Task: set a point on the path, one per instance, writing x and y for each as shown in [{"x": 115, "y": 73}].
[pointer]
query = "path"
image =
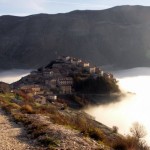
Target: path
[{"x": 12, "y": 136}]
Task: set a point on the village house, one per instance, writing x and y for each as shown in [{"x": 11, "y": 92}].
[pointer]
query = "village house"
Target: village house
[
  {"x": 31, "y": 89},
  {"x": 51, "y": 83},
  {"x": 25, "y": 87},
  {"x": 75, "y": 61},
  {"x": 99, "y": 71},
  {"x": 108, "y": 75},
  {"x": 64, "y": 58},
  {"x": 84, "y": 64},
  {"x": 40, "y": 99},
  {"x": 56, "y": 72},
  {"x": 51, "y": 73},
  {"x": 66, "y": 89},
  {"x": 39, "y": 92},
  {"x": 48, "y": 73},
  {"x": 52, "y": 97},
  {"x": 65, "y": 81},
  {"x": 90, "y": 70},
  {"x": 36, "y": 88},
  {"x": 65, "y": 85},
  {"x": 64, "y": 72},
  {"x": 67, "y": 58},
  {"x": 48, "y": 92}
]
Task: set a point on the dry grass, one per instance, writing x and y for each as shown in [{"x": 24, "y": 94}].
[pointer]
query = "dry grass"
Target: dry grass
[
  {"x": 49, "y": 142},
  {"x": 27, "y": 109},
  {"x": 80, "y": 122},
  {"x": 130, "y": 143},
  {"x": 37, "y": 130}
]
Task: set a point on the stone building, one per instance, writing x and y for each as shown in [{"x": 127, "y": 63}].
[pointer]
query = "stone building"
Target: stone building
[
  {"x": 65, "y": 85},
  {"x": 40, "y": 99}
]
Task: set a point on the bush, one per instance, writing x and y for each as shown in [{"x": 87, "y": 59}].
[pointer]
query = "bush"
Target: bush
[
  {"x": 138, "y": 131},
  {"x": 6, "y": 108},
  {"x": 134, "y": 141},
  {"x": 27, "y": 109},
  {"x": 96, "y": 134},
  {"x": 115, "y": 129},
  {"x": 19, "y": 117},
  {"x": 37, "y": 129},
  {"x": 14, "y": 106},
  {"x": 49, "y": 142},
  {"x": 120, "y": 145}
]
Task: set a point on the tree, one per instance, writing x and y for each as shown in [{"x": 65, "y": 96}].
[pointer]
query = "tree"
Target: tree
[
  {"x": 115, "y": 129},
  {"x": 138, "y": 131},
  {"x": 134, "y": 141}
]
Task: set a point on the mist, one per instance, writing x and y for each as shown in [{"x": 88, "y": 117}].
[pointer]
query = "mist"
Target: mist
[
  {"x": 123, "y": 113},
  {"x": 133, "y": 107},
  {"x": 10, "y": 76}
]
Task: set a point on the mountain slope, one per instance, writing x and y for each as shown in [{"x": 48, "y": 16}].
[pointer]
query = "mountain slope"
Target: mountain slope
[{"x": 118, "y": 36}]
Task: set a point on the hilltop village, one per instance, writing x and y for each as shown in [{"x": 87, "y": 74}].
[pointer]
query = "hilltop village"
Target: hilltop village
[
  {"x": 43, "y": 100},
  {"x": 66, "y": 76}
]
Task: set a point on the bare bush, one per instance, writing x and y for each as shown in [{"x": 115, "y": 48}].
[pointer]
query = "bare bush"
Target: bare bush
[
  {"x": 138, "y": 131},
  {"x": 115, "y": 129}
]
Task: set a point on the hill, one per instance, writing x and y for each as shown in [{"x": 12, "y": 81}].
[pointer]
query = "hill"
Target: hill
[
  {"x": 73, "y": 80},
  {"x": 118, "y": 36},
  {"x": 49, "y": 127}
]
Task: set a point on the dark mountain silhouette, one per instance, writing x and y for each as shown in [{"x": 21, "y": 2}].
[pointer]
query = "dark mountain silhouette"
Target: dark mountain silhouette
[{"x": 119, "y": 36}]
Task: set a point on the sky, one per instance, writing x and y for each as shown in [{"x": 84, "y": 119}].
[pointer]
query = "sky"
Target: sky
[{"x": 28, "y": 7}]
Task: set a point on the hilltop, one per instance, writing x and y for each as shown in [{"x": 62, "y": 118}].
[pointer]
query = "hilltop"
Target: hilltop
[
  {"x": 48, "y": 103},
  {"x": 72, "y": 79},
  {"x": 105, "y": 37}
]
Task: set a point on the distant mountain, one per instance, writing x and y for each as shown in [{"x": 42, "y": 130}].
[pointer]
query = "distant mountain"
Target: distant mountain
[{"x": 119, "y": 36}]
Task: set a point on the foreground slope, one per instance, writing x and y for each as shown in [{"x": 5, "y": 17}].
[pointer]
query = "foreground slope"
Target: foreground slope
[
  {"x": 114, "y": 36},
  {"x": 13, "y": 136}
]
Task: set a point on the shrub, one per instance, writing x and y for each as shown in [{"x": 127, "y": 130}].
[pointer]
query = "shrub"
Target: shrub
[
  {"x": 14, "y": 106},
  {"x": 6, "y": 108},
  {"x": 134, "y": 141},
  {"x": 48, "y": 141},
  {"x": 120, "y": 145},
  {"x": 138, "y": 131},
  {"x": 27, "y": 109},
  {"x": 115, "y": 129},
  {"x": 19, "y": 117},
  {"x": 37, "y": 129},
  {"x": 96, "y": 134}
]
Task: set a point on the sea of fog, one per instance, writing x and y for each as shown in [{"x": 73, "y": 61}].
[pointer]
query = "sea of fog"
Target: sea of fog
[
  {"x": 13, "y": 75},
  {"x": 131, "y": 108}
]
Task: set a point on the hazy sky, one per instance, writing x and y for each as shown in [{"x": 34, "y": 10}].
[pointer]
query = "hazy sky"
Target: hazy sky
[{"x": 27, "y": 7}]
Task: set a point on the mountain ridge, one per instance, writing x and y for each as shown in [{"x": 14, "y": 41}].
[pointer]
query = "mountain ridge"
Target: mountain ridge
[{"x": 106, "y": 37}]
